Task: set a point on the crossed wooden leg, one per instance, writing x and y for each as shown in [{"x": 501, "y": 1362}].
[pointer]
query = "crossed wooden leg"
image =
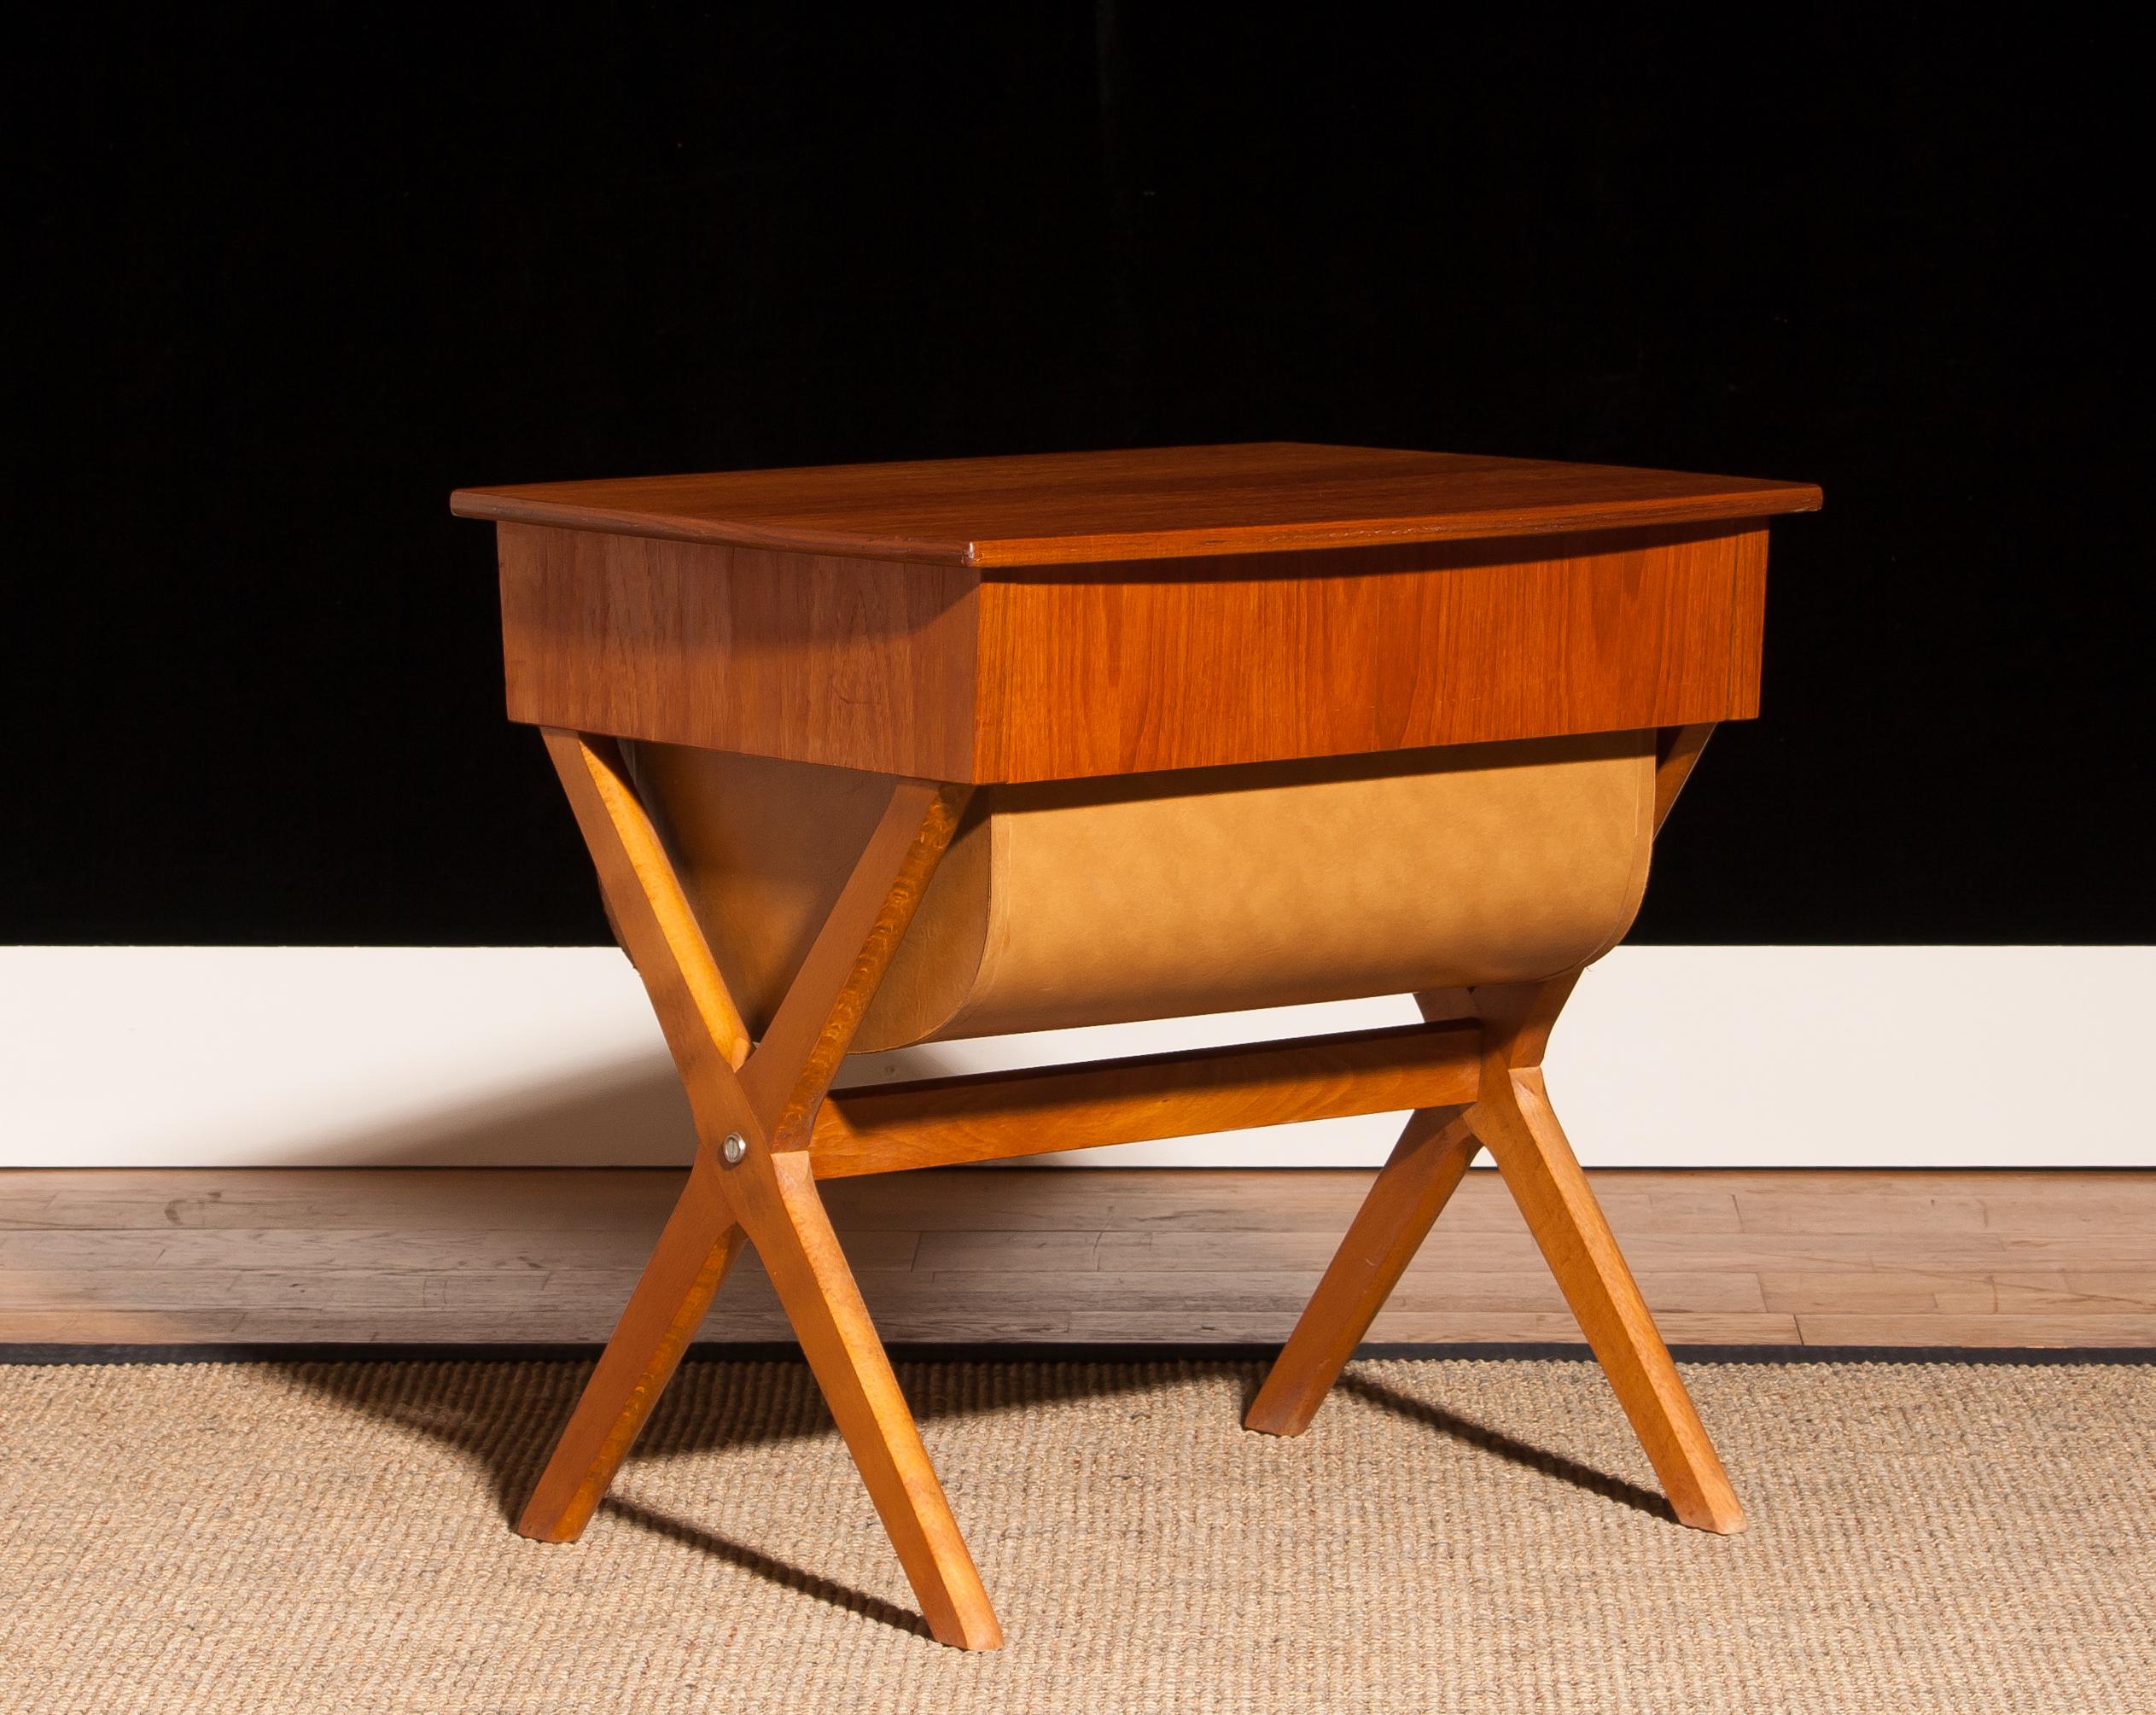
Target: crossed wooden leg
[
  {"x": 752, "y": 1175},
  {"x": 1425, "y": 1168},
  {"x": 1512, "y": 1118}
]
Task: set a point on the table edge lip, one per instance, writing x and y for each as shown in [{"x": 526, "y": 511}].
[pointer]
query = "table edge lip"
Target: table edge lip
[{"x": 1762, "y": 500}]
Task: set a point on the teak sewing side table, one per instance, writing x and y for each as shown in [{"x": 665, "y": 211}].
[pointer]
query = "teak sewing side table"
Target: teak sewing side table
[{"x": 880, "y": 754}]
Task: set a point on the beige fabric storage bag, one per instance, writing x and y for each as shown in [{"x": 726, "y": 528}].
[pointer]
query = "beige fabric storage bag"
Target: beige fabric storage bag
[{"x": 1204, "y": 890}]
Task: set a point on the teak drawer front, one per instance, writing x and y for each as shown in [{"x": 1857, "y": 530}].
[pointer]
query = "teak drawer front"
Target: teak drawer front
[
  {"x": 944, "y": 673},
  {"x": 1311, "y": 655}
]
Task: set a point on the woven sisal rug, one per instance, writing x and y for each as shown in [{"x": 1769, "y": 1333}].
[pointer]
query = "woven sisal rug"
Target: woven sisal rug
[{"x": 1451, "y": 1535}]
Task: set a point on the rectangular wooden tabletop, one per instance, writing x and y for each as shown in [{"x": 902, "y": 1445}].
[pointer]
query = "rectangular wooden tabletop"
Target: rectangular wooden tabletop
[
  {"x": 1077, "y": 614},
  {"x": 1166, "y": 503}
]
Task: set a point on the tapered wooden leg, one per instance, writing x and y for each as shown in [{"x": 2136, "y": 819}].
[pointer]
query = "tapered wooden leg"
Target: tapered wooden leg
[
  {"x": 778, "y": 1202},
  {"x": 1425, "y": 1168},
  {"x": 694, "y": 1252},
  {"x": 755, "y": 1113},
  {"x": 1515, "y": 1120}
]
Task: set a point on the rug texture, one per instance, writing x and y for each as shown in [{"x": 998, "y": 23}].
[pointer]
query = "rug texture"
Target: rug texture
[{"x": 1450, "y": 1535}]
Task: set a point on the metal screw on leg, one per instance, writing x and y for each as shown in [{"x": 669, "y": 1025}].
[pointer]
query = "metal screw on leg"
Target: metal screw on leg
[{"x": 731, "y": 1150}]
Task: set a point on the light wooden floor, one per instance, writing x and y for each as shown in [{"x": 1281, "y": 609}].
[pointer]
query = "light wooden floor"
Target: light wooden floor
[{"x": 1824, "y": 1258}]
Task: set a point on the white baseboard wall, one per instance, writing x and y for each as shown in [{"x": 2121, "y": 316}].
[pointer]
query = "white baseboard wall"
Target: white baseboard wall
[{"x": 1667, "y": 1057}]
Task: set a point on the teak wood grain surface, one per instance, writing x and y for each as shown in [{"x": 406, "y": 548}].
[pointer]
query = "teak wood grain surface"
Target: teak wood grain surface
[
  {"x": 1348, "y": 652},
  {"x": 1161, "y": 503},
  {"x": 947, "y": 673}
]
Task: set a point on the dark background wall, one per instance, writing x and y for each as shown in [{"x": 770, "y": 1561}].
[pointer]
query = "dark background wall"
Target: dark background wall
[{"x": 294, "y": 277}]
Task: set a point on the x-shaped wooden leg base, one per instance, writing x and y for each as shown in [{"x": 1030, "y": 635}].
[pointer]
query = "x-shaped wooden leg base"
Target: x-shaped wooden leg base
[
  {"x": 1513, "y": 1117},
  {"x": 752, "y": 1175},
  {"x": 758, "y": 1151}
]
